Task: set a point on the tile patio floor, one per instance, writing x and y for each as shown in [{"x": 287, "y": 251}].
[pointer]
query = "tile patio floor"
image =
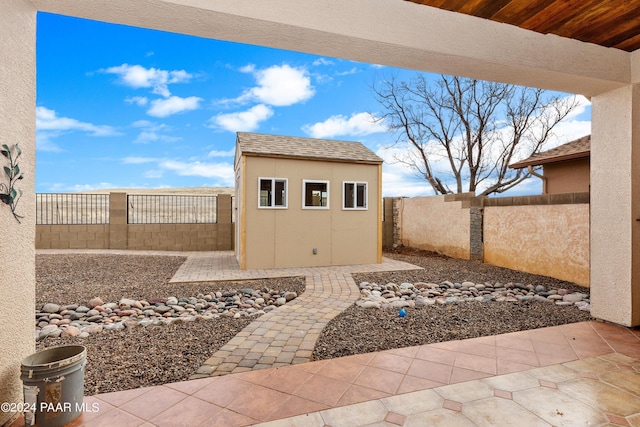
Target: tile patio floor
[{"x": 572, "y": 375}]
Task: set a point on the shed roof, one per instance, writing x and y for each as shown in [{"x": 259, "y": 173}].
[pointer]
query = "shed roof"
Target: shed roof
[
  {"x": 304, "y": 148},
  {"x": 576, "y": 149}
]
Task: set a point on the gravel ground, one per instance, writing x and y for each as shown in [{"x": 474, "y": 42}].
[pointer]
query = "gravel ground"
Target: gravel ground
[
  {"x": 140, "y": 357},
  {"x": 375, "y": 329},
  {"x": 143, "y": 356}
]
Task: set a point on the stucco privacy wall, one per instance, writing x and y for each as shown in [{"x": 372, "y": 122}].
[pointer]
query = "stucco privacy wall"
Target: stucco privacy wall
[
  {"x": 17, "y": 253},
  {"x": 433, "y": 224},
  {"x": 550, "y": 240}
]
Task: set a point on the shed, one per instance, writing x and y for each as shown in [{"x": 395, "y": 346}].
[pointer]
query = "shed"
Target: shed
[
  {"x": 306, "y": 202},
  {"x": 565, "y": 168}
]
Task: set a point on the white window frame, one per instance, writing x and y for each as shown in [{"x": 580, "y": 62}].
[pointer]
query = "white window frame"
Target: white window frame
[
  {"x": 273, "y": 186},
  {"x": 304, "y": 193},
  {"x": 355, "y": 196}
]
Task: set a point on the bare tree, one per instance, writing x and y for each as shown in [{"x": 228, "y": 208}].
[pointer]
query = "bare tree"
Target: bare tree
[{"x": 465, "y": 131}]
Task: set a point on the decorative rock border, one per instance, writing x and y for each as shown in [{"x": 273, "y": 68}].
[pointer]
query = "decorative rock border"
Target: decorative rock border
[
  {"x": 393, "y": 296},
  {"x": 53, "y": 320}
]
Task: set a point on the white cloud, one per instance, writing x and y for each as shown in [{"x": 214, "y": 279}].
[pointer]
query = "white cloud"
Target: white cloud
[
  {"x": 322, "y": 61},
  {"x": 153, "y": 174},
  {"x": 398, "y": 179},
  {"x": 137, "y": 76},
  {"x": 278, "y": 85},
  {"x": 48, "y": 120},
  {"x": 223, "y": 172},
  {"x": 573, "y": 126},
  {"x": 215, "y": 153},
  {"x": 173, "y": 105},
  {"x": 153, "y": 132},
  {"x": 249, "y": 68},
  {"x": 243, "y": 121},
  {"x": 353, "y": 70},
  {"x": 138, "y": 160},
  {"x": 359, "y": 124},
  {"x": 143, "y": 124},
  {"x": 138, "y": 100},
  {"x": 50, "y": 126},
  {"x": 146, "y": 137}
]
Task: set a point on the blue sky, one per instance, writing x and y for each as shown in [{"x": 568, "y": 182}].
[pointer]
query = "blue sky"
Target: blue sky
[{"x": 125, "y": 107}]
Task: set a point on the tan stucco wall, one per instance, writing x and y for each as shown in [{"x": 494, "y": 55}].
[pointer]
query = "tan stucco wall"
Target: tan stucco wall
[
  {"x": 567, "y": 177},
  {"x": 615, "y": 206},
  {"x": 287, "y": 237},
  {"x": 431, "y": 223},
  {"x": 548, "y": 240},
  {"x": 17, "y": 252}
]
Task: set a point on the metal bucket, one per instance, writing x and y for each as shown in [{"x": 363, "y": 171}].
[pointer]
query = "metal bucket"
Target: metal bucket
[{"x": 53, "y": 382}]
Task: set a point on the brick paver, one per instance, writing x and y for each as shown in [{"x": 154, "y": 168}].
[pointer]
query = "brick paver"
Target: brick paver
[{"x": 286, "y": 335}]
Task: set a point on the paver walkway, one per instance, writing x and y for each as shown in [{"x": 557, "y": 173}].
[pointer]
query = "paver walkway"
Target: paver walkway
[{"x": 288, "y": 334}]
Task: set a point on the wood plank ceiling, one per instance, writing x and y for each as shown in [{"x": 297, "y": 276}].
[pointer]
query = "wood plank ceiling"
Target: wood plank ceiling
[{"x": 609, "y": 23}]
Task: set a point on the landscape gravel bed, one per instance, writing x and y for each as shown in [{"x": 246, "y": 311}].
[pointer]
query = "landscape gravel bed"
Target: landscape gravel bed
[
  {"x": 140, "y": 356},
  {"x": 374, "y": 329}
]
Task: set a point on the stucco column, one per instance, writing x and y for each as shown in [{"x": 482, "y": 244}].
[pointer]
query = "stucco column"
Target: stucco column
[
  {"x": 615, "y": 206},
  {"x": 17, "y": 243}
]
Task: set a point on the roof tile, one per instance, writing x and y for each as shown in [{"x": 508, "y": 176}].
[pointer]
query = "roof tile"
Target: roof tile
[
  {"x": 306, "y": 148},
  {"x": 576, "y": 149}
]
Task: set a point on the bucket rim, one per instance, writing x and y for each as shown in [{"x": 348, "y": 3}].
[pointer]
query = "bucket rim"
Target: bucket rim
[{"x": 75, "y": 357}]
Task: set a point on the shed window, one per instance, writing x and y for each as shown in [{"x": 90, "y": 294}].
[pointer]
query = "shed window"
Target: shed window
[
  {"x": 354, "y": 195},
  {"x": 272, "y": 192},
  {"x": 315, "y": 194}
]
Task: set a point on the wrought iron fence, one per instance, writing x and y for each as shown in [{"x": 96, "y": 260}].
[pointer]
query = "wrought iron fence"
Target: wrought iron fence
[
  {"x": 171, "y": 209},
  {"x": 71, "y": 209}
]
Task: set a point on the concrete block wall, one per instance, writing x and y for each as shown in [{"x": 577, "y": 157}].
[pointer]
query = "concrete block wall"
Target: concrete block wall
[
  {"x": 158, "y": 237},
  {"x": 72, "y": 236}
]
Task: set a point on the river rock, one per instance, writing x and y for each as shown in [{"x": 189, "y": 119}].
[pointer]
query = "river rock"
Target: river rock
[
  {"x": 50, "y": 308},
  {"x": 94, "y": 302}
]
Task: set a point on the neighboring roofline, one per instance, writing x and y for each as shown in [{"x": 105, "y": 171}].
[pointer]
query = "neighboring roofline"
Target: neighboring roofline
[
  {"x": 536, "y": 162},
  {"x": 573, "y": 150}
]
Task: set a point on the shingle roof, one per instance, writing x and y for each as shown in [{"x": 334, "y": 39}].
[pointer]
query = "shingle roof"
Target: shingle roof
[
  {"x": 304, "y": 148},
  {"x": 577, "y": 149}
]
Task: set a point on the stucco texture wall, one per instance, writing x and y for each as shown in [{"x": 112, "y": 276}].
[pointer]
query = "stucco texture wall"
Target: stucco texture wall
[
  {"x": 17, "y": 248},
  {"x": 287, "y": 237},
  {"x": 550, "y": 240},
  {"x": 432, "y": 224},
  {"x": 567, "y": 177}
]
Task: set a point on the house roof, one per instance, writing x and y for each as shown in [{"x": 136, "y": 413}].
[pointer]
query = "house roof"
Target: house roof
[
  {"x": 578, "y": 149},
  {"x": 304, "y": 148}
]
